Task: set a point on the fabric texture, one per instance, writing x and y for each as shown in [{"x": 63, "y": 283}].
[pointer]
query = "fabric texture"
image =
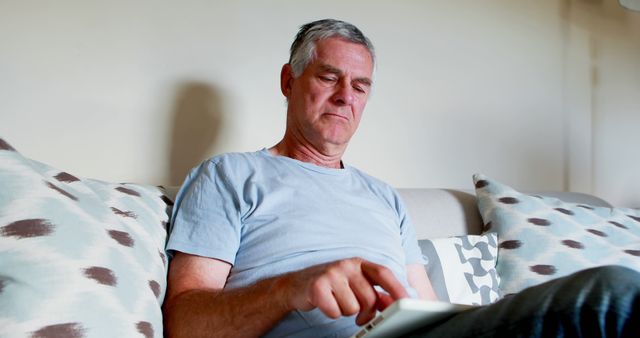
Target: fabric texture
[
  {"x": 462, "y": 269},
  {"x": 78, "y": 257},
  {"x": 267, "y": 215},
  {"x": 597, "y": 302},
  {"x": 541, "y": 238}
]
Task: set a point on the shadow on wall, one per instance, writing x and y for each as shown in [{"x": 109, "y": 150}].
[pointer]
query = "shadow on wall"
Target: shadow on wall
[{"x": 198, "y": 120}]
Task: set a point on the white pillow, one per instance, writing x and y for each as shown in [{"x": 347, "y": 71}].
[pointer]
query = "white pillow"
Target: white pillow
[{"x": 462, "y": 269}]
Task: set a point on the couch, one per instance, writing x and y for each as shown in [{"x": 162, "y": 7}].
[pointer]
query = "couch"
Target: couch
[
  {"x": 438, "y": 213},
  {"x": 85, "y": 258}
]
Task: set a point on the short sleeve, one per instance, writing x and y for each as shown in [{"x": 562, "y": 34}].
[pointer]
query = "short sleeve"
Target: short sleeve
[
  {"x": 410, "y": 246},
  {"x": 206, "y": 219}
]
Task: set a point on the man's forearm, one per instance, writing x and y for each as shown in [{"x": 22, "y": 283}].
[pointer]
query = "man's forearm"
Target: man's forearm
[
  {"x": 340, "y": 288},
  {"x": 246, "y": 312}
]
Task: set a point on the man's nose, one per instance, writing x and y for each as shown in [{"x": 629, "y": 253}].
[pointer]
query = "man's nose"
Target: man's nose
[{"x": 344, "y": 94}]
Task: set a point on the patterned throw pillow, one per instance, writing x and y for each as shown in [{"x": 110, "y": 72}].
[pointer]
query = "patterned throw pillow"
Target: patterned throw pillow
[
  {"x": 78, "y": 257},
  {"x": 542, "y": 238},
  {"x": 462, "y": 269}
]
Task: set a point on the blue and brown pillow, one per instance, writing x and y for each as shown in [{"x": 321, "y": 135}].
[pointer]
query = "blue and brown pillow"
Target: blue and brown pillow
[
  {"x": 79, "y": 257},
  {"x": 542, "y": 238}
]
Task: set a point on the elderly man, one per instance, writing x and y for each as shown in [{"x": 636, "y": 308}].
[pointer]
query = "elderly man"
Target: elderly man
[{"x": 289, "y": 240}]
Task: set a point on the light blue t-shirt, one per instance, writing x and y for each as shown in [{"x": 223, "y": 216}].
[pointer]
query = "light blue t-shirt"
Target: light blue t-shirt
[{"x": 268, "y": 215}]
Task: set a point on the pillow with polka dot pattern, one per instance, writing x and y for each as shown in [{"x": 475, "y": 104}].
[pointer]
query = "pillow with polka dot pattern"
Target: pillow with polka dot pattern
[
  {"x": 542, "y": 238},
  {"x": 79, "y": 257}
]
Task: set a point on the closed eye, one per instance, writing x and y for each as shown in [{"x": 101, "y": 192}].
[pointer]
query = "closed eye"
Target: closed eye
[
  {"x": 359, "y": 89},
  {"x": 328, "y": 78}
]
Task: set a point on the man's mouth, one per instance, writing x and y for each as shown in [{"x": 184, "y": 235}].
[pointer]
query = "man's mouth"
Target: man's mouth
[{"x": 338, "y": 116}]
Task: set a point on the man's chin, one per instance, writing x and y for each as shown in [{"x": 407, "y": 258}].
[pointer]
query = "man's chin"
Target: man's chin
[{"x": 337, "y": 141}]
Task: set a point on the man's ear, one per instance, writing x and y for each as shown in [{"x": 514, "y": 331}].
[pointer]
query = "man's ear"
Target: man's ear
[{"x": 286, "y": 79}]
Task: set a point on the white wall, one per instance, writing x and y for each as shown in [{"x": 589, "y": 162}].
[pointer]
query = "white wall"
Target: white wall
[{"x": 543, "y": 95}]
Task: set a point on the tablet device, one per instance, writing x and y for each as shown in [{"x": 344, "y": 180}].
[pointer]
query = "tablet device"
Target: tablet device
[{"x": 407, "y": 314}]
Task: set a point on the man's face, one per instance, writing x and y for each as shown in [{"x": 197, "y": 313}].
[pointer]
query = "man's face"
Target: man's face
[{"x": 326, "y": 101}]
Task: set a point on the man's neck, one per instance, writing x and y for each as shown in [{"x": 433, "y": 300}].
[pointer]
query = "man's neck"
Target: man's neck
[{"x": 307, "y": 153}]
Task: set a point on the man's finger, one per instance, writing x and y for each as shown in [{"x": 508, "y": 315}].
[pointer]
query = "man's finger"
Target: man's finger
[
  {"x": 364, "y": 291},
  {"x": 384, "y": 300},
  {"x": 367, "y": 298},
  {"x": 365, "y": 315},
  {"x": 380, "y": 275},
  {"x": 322, "y": 296},
  {"x": 345, "y": 298}
]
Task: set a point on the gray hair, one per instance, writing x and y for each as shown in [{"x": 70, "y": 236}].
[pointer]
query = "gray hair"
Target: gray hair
[{"x": 304, "y": 46}]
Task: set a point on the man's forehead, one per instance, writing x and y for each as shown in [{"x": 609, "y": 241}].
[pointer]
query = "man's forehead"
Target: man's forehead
[
  {"x": 337, "y": 55},
  {"x": 337, "y": 43}
]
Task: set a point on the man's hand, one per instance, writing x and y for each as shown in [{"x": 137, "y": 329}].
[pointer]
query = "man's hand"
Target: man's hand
[{"x": 343, "y": 288}]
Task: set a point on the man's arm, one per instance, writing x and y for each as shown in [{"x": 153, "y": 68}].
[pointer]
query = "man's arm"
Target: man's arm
[
  {"x": 418, "y": 279},
  {"x": 197, "y": 304}
]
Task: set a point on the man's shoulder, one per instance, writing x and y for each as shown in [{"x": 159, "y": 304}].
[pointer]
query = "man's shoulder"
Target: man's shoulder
[
  {"x": 229, "y": 164},
  {"x": 234, "y": 159}
]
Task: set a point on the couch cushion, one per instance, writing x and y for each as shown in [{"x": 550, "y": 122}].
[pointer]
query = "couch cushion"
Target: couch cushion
[
  {"x": 439, "y": 213},
  {"x": 462, "y": 269},
  {"x": 542, "y": 238},
  {"x": 78, "y": 257}
]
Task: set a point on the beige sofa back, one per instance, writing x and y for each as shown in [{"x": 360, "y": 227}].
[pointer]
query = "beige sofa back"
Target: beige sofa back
[{"x": 448, "y": 212}]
